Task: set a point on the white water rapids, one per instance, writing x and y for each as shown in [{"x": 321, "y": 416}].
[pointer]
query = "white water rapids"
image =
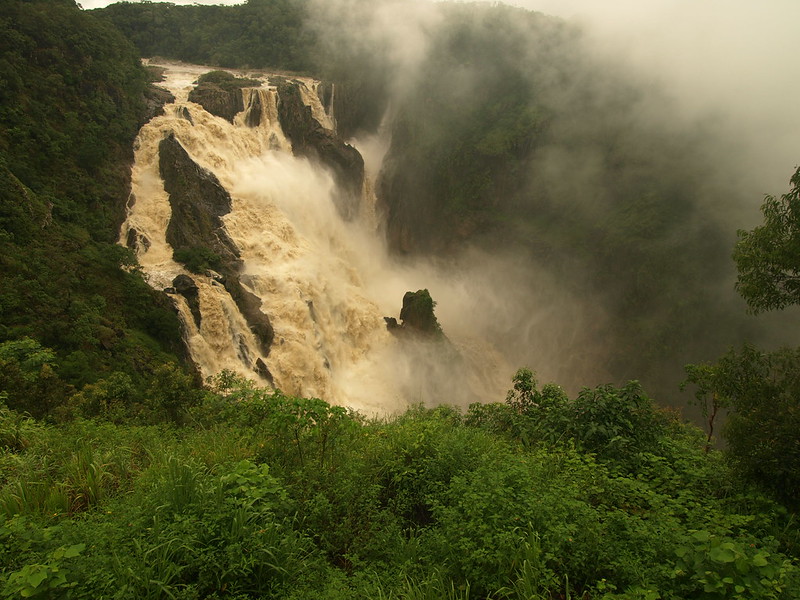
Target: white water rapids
[{"x": 326, "y": 284}]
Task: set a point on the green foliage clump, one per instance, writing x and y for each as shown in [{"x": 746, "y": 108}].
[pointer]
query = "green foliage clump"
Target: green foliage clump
[
  {"x": 225, "y": 80},
  {"x": 619, "y": 426},
  {"x": 255, "y": 34},
  {"x": 71, "y": 101},
  {"x": 761, "y": 391},
  {"x": 198, "y": 259},
  {"x": 264, "y": 495},
  {"x": 727, "y": 568},
  {"x": 28, "y": 377},
  {"x": 768, "y": 257}
]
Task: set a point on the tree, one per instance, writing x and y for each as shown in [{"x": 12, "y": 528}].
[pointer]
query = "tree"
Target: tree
[
  {"x": 768, "y": 257},
  {"x": 28, "y": 378},
  {"x": 762, "y": 392}
]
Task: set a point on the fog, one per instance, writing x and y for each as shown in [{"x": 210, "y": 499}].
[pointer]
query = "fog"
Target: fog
[
  {"x": 657, "y": 78},
  {"x": 737, "y": 59},
  {"x": 733, "y": 59}
]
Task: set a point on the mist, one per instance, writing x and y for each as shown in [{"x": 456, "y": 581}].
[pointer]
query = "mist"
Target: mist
[
  {"x": 733, "y": 59},
  {"x": 641, "y": 85}
]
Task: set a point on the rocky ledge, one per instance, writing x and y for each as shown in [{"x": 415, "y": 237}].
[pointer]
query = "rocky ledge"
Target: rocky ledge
[
  {"x": 220, "y": 93},
  {"x": 198, "y": 202},
  {"x": 310, "y": 139}
]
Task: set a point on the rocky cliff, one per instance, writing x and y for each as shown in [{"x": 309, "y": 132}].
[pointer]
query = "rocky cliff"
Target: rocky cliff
[
  {"x": 198, "y": 202},
  {"x": 417, "y": 313},
  {"x": 220, "y": 93},
  {"x": 310, "y": 139}
]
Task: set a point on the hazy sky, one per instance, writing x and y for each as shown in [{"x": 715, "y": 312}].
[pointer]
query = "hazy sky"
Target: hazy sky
[{"x": 736, "y": 58}]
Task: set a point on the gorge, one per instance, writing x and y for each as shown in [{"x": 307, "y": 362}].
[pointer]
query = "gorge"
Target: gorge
[{"x": 300, "y": 281}]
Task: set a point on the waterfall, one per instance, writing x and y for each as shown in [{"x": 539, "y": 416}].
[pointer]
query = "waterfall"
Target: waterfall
[
  {"x": 309, "y": 90},
  {"x": 330, "y": 106},
  {"x": 325, "y": 284}
]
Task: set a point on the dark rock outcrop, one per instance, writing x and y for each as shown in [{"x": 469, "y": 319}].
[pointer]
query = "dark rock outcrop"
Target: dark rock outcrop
[
  {"x": 198, "y": 202},
  {"x": 225, "y": 104},
  {"x": 437, "y": 367},
  {"x": 254, "y": 110},
  {"x": 250, "y": 306},
  {"x": 310, "y": 139},
  {"x": 137, "y": 240},
  {"x": 186, "y": 115},
  {"x": 154, "y": 100},
  {"x": 220, "y": 93},
  {"x": 218, "y": 101},
  {"x": 186, "y": 287},
  {"x": 262, "y": 369},
  {"x": 416, "y": 316},
  {"x": 417, "y": 313}
]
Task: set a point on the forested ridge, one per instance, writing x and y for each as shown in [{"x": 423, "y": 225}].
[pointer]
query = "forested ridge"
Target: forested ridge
[
  {"x": 74, "y": 308},
  {"x": 121, "y": 478}
]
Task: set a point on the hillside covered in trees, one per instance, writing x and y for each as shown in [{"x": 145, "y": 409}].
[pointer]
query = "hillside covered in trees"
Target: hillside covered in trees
[
  {"x": 74, "y": 308},
  {"x": 122, "y": 477}
]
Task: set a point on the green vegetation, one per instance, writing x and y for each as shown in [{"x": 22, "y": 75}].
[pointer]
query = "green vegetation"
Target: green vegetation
[
  {"x": 226, "y": 81},
  {"x": 256, "y": 34},
  {"x": 768, "y": 257},
  {"x": 73, "y": 308},
  {"x": 262, "y": 495},
  {"x": 761, "y": 390},
  {"x": 198, "y": 259},
  {"x": 120, "y": 478}
]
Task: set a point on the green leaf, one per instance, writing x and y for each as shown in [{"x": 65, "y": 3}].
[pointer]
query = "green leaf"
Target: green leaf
[
  {"x": 760, "y": 559},
  {"x": 36, "y": 575},
  {"x": 742, "y": 565},
  {"x": 701, "y": 536},
  {"x": 74, "y": 550},
  {"x": 722, "y": 555}
]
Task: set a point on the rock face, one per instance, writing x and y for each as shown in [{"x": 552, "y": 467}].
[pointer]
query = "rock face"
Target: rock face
[
  {"x": 186, "y": 287},
  {"x": 198, "y": 202},
  {"x": 253, "y": 117},
  {"x": 250, "y": 306},
  {"x": 154, "y": 100},
  {"x": 137, "y": 240},
  {"x": 417, "y": 313},
  {"x": 225, "y": 103},
  {"x": 185, "y": 114},
  {"x": 416, "y": 316},
  {"x": 312, "y": 140},
  {"x": 440, "y": 371}
]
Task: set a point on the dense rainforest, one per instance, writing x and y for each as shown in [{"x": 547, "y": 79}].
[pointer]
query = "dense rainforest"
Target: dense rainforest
[
  {"x": 74, "y": 308},
  {"x": 120, "y": 477}
]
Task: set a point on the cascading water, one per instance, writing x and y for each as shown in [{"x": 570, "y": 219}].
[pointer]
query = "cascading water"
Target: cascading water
[{"x": 325, "y": 284}]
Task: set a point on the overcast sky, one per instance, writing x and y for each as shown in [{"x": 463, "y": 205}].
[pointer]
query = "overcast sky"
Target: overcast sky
[{"x": 736, "y": 58}]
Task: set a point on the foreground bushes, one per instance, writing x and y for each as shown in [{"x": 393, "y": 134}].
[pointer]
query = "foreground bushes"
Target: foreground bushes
[{"x": 269, "y": 496}]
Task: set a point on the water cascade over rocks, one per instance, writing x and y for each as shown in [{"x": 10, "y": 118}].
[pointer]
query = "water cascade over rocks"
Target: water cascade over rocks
[{"x": 261, "y": 228}]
